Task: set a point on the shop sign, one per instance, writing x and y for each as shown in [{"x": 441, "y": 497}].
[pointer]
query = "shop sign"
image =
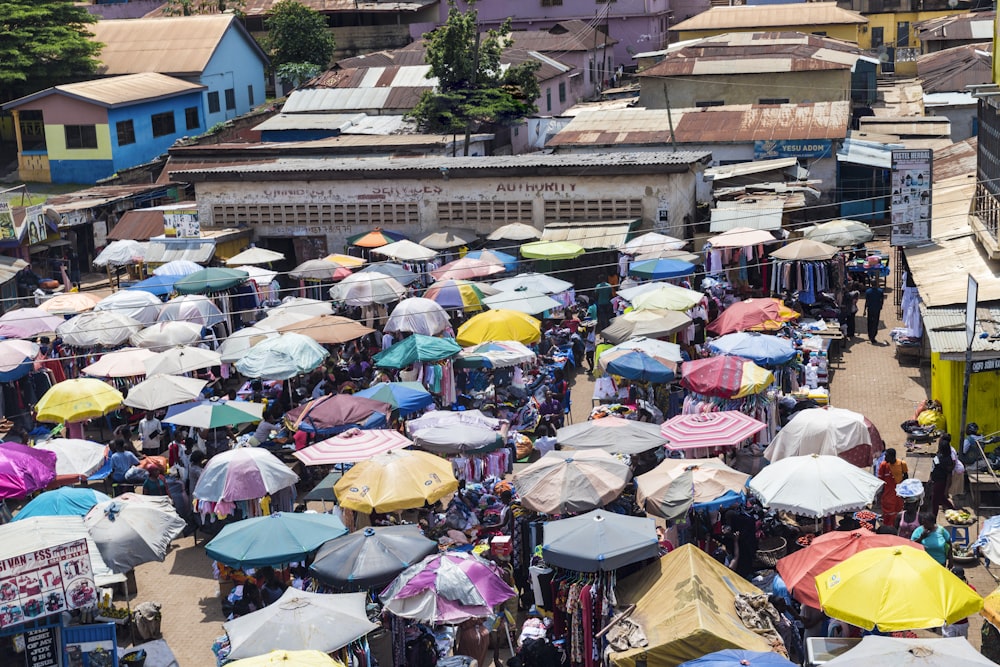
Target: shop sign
[
  {"x": 41, "y": 647},
  {"x": 7, "y": 232},
  {"x": 38, "y": 228},
  {"x": 804, "y": 148},
  {"x": 911, "y": 197},
  {"x": 985, "y": 365},
  {"x": 182, "y": 224},
  {"x": 46, "y": 581}
]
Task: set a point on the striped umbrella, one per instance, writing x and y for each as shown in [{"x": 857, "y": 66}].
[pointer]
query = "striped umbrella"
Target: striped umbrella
[
  {"x": 352, "y": 446},
  {"x": 459, "y": 294},
  {"x": 376, "y": 238},
  {"x": 710, "y": 429}
]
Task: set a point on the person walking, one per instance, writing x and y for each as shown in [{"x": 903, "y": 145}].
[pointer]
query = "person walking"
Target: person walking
[
  {"x": 849, "y": 310},
  {"x": 891, "y": 471},
  {"x": 941, "y": 470},
  {"x": 874, "y": 298}
]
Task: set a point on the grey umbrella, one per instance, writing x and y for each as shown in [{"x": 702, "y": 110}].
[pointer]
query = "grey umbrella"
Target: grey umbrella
[
  {"x": 612, "y": 434},
  {"x": 599, "y": 541},
  {"x": 393, "y": 271},
  {"x": 370, "y": 558}
]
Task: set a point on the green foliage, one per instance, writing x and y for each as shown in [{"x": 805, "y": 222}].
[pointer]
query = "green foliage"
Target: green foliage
[
  {"x": 472, "y": 87},
  {"x": 43, "y": 43},
  {"x": 296, "y": 73},
  {"x": 191, "y": 7},
  {"x": 297, "y": 34}
]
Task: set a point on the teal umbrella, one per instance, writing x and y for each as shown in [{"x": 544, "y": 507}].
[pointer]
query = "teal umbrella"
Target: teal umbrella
[
  {"x": 281, "y": 358},
  {"x": 407, "y": 397},
  {"x": 417, "y": 348},
  {"x": 214, "y": 279},
  {"x": 280, "y": 538}
]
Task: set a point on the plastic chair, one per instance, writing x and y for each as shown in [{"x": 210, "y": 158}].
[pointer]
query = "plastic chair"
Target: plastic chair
[{"x": 959, "y": 535}]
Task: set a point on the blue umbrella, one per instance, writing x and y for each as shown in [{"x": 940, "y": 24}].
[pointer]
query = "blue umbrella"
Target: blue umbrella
[
  {"x": 509, "y": 261},
  {"x": 403, "y": 276},
  {"x": 407, "y": 397},
  {"x": 761, "y": 349},
  {"x": 67, "y": 501},
  {"x": 637, "y": 365},
  {"x": 659, "y": 269},
  {"x": 156, "y": 285},
  {"x": 733, "y": 657},
  {"x": 277, "y": 539}
]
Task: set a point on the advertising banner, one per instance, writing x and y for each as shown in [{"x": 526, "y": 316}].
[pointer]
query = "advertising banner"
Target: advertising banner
[
  {"x": 911, "y": 197},
  {"x": 46, "y": 581}
]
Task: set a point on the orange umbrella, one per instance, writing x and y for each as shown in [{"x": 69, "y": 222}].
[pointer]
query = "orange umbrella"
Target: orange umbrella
[
  {"x": 376, "y": 238},
  {"x": 752, "y": 315}
]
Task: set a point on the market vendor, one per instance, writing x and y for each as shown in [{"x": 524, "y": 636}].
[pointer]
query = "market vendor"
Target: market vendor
[{"x": 551, "y": 413}]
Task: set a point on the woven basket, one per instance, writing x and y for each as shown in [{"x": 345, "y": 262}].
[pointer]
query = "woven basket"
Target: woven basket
[{"x": 770, "y": 550}]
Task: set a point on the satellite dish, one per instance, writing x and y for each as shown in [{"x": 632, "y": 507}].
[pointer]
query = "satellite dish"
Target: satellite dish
[
  {"x": 883, "y": 57},
  {"x": 953, "y": 3}
]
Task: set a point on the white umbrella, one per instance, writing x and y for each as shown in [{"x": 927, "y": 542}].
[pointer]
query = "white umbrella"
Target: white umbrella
[
  {"x": 303, "y": 306},
  {"x": 829, "y": 430},
  {"x": 652, "y": 347},
  {"x": 182, "y": 359},
  {"x": 417, "y": 315},
  {"x": 365, "y": 289},
  {"x": 131, "y": 529},
  {"x": 163, "y": 335},
  {"x": 319, "y": 269},
  {"x": 129, "y": 362},
  {"x": 652, "y": 242},
  {"x": 195, "y": 308},
  {"x": 75, "y": 457},
  {"x": 159, "y": 391},
  {"x": 923, "y": 652},
  {"x": 137, "y": 304},
  {"x": 254, "y": 255},
  {"x": 299, "y": 620},
  {"x": 572, "y": 481},
  {"x": 524, "y": 300},
  {"x": 448, "y": 238},
  {"x": 814, "y": 485},
  {"x": 277, "y": 320},
  {"x": 534, "y": 281},
  {"x": 239, "y": 342},
  {"x": 406, "y": 251},
  {"x": 515, "y": 231},
  {"x": 178, "y": 267},
  {"x": 263, "y": 277},
  {"x": 121, "y": 253},
  {"x": 95, "y": 329}
]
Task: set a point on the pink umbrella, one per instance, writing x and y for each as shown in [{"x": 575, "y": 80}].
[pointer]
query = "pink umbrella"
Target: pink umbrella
[
  {"x": 467, "y": 269},
  {"x": 709, "y": 429},
  {"x": 246, "y": 473},
  {"x": 352, "y": 446},
  {"x": 24, "y": 469},
  {"x": 25, "y": 322}
]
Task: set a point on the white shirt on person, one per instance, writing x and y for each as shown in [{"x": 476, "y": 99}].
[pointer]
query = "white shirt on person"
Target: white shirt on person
[{"x": 148, "y": 426}]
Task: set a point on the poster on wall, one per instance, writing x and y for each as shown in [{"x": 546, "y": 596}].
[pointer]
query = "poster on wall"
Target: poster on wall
[
  {"x": 182, "y": 224},
  {"x": 46, "y": 581},
  {"x": 7, "y": 231},
  {"x": 34, "y": 220},
  {"x": 41, "y": 647},
  {"x": 911, "y": 197}
]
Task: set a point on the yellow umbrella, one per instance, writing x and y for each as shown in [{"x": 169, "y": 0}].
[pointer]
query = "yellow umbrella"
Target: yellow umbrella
[
  {"x": 499, "y": 325},
  {"x": 397, "y": 480},
  {"x": 991, "y": 607},
  {"x": 347, "y": 261},
  {"x": 895, "y": 588},
  {"x": 289, "y": 659},
  {"x": 77, "y": 400},
  {"x": 551, "y": 250}
]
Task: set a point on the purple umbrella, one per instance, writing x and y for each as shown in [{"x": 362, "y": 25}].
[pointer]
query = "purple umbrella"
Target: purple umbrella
[
  {"x": 24, "y": 469},
  {"x": 447, "y": 588},
  {"x": 245, "y": 473}
]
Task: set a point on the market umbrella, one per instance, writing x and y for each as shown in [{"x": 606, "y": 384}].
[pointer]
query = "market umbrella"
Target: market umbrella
[
  {"x": 662, "y": 296},
  {"x": 328, "y": 329},
  {"x": 637, "y": 365},
  {"x": 800, "y": 569},
  {"x": 64, "y": 501},
  {"x": 814, "y": 485},
  {"x": 352, "y": 446},
  {"x": 159, "y": 391},
  {"x": 371, "y": 557},
  {"x": 416, "y": 348},
  {"x": 254, "y": 255},
  {"x": 140, "y": 306},
  {"x": 524, "y": 300},
  {"x": 281, "y": 658},
  {"x": 805, "y": 250},
  {"x": 17, "y": 359},
  {"x": 397, "y": 480},
  {"x": 759, "y": 348},
  {"x": 833, "y": 431},
  {"x": 28, "y": 322},
  {"x": 132, "y": 529},
  {"x": 495, "y": 354},
  {"x": 24, "y": 469},
  {"x": 212, "y": 279},
  {"x": 164, "y": 335},
  {"x": 238, "y": 343},
  {"x": 562, "y": 482},
  {"x": 499, "y": 325},
  {"x": 366, "y": 289},
  {"x": 922, "y": 652},
  {"x": 842, "y": 233},
  {"x": 645, "y": 323},
  {"x": 181, "y": 359},
  {"x": 348, "y": 261},
  {"x": 752, "y": 314},
  {"x": 683, "y": 255},
  {"x": 676, "y": 485},
  {"x": 651, "y": 242},
  {"x": 405, "y": 251},
  {"x": 74, "y": 457},
  {"x": 535, "y": 281},
  {"x": 447, "y": 432},
  {"x": 551, "y": 250},
  {"x": 599, "y": 541},
  {"x": 710, "y": 429},
  {"x": 70, "y": 303},
  {"x": 281, "y": 358},
  {"x": 279, "y": 320},
  {"x": 514, "y": 231},
  {"x": 245, "y": 473},
  {"x": 725, "y": 377},
  {"x": 417, "y": 315},
  {"x": 98, "y": 329},
  {"x": 155, "y": 285},
  {"x": 660, "y": 269},
  {"x": 276, "y": 539},
  {"x": 659, "y": 349},
  {"x": 193, "y": 309},
  {"x": 407, "y": 397},
  {"x": 509, "y": 262},
  {"x": 121, "y": 253},
  {"x": 213, "y": 414},
  {"x": 177, "y": 267},
  {"x": 319, "y": 269},
  {"x": 300, "y": 305},
  {"x": 77, "y": 400},
  {"x": 300, "y": 620},
  {"x": 467, "y": 268},
  {"x": 612, "y": 434},
  {"x": 376, "y": 238},
  {"x": 394, "y": 271},
  {"x": 459, "y": 294},
  {"x": 447, "y": 588},
  {"x": 263, "y": 277},
  {"x": 446, "y": 237},
  {"x": 741, "y": 237},
  {"x": 330, "y": 412},
  {"x": 895, "y": 588},
  {"x": 735, "y": 657}
]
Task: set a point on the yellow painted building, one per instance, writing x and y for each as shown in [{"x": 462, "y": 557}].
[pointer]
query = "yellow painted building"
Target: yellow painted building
[
  {"x": 895, "y": 34},
  {"x": 947, "y": 379},
  {"x": 820, "y": 18}
]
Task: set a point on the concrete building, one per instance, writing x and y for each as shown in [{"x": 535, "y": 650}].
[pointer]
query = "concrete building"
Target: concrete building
[
  {"x": 948, "y": 32},
  {"x": 820, "y": 18}
]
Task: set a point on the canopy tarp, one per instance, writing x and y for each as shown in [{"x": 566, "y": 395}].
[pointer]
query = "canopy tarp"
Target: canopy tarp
[{"x": 685, "y": 604}]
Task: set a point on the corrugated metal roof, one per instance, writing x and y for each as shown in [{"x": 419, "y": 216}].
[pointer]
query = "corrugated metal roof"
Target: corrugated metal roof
[
  {"x": 307, "y": 100},
  {"x": 769, "y": 16},
  {"x": 912, "y": 127},
  {"x": 959, "y": 159},
  {"x": 138, "y": 225},
  {"x": 600, "y": 235},
  {"x": 953, "y": 69},
  {"x": 569, "y": 35},
  {"x": 868, "y": 153},
  {"x": 950, "y": 100},
  {"x": 765, "y": 215},
  {"x": 199, "y": 251},
  {"x": 723, "y": 172},
  {"x": 946, "y": 332},
  {"x": 117, "y": 91},
  {"x": 263, "y": 7},
  {"x": 973, "y": 25},
  {"x": 309, "y": 121}
]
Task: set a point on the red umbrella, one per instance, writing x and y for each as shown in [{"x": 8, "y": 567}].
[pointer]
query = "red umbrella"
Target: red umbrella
[
  {"x": 467, "y": 268},
  {"x": 800, "y": 569},
  {"x": 709, "y": 429},
  {"x": 752, "y": 314},
  {"x": 715, "y": 376},
  {"x": 329, "y": 412}
]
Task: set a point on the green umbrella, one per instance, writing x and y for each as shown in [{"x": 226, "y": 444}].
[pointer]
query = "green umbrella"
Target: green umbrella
[
  {"x": 417, "y": 348},
  {"x": 551, "y": 250},
  {"x": 213, "y": 279}
]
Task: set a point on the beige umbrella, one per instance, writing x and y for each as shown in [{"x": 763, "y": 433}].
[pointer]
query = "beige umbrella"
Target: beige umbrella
[
  {"x": 328, "y": 329},
  {"x": 239, "y": 342},
  {"x": 448, "y": 238},
  {"x": 70, "y": 304},
  {"x": 682, "y": 255},
  {"x": 741, "y": 237},
  {"x": 671, "y": 488},
  {"x": 572, "y": 481},
  {"x": 406, "y": 251},
  {"x": 254, "y": 255},
  {"x": 300, "y": 305},
  {"x": 181, "y": 359},
  {"x": 649, "y": 323},
  {"x": 805, "y": 250},
  {"x": 653, "y": 242},
  {"x": 515, "y": 231}
]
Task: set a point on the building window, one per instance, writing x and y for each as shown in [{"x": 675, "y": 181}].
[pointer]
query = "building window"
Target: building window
[
  {"x": 125, "y": 130},
  {"x": 878, "y": 37},
  {"x": 230, "y": 99},
  {"x": 191, "y": 119},
  {"x": 551, "y": 3},
  {"x": 32, "y": 130},
  {"x": 163, "y": 123},
  {"x": 81, "y": 136},
  {"x": 250, "y": 95},
  {"x": 548, "y": 99},
  {"x": 562, "y": 92},
  {"x": 213, "y": 102},
  {"x": 773, "y": 100},
  {"x": 903, "y": 34},
  {"x": 710, "y": 103}
]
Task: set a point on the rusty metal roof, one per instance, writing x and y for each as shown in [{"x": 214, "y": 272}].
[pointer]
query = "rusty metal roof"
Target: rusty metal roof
[
  {"x": 958, "y": 159},
  {"x": 951, "y": 70},
  {"x": 263, "y": 7},
  {"x": 970, "y": 26},
  {"x": 724, "y": 124},
  {"x": 138, "y": 225},
  {"x": 104, "y": 194},
  {"x": 770, "y": 16},
  {"x": 913, "y": 127},
  {"x": 117, "y": 91}
]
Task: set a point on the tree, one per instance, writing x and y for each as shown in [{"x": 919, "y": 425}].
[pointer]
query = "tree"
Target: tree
[
  {"x": 297, "y": 34},
  {"x": 296, "y": 73},
  {"x": 472, "y": 87},
  {"x": 43, "y": 43},
  {"x": 191, "y": 7}
]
